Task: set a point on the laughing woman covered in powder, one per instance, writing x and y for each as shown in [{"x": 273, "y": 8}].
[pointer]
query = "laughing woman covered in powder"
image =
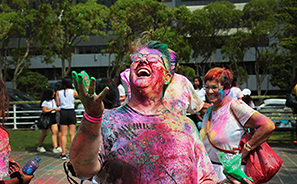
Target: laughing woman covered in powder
[{"x": 224, "y": 130}]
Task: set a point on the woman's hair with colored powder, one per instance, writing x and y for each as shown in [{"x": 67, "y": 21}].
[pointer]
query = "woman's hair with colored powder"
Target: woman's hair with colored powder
[
  {"x": 4, "y": 104},
  {"x": 161, "y": 47},
  {"x": 111, "y": 99},
  {"x": 47, "y": 95},
  {"x": 173, "y": 61},
  {"x": 137, "y": 43},
  {"x": 222, "y": 75},
  {"x": 200, "y": 82}
]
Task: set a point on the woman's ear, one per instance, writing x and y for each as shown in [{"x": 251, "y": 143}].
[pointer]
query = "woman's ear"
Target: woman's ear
[{"x": 168, "y": 77}]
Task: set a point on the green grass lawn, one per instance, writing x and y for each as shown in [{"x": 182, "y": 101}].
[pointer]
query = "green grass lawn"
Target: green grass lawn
[
  {"x": 27, "y": 140},
  {"x": 281, "y": 137}
]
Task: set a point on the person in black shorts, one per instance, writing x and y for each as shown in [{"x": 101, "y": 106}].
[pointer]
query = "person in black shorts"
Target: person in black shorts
[{"x": 65, "y": 100}]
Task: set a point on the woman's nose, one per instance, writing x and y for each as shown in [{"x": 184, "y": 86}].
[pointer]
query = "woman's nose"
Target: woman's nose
[{"x": 144, "y": 60}]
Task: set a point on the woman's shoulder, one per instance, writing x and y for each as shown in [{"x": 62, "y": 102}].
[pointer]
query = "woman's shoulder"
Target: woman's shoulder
[
  {"x": 46, "y": 102},
  {"x": 237, "y": 102}
]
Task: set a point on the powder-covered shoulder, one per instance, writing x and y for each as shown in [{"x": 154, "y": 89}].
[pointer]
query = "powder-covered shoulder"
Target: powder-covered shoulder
[
  {"x": 114, "y": 113},
  {"x": 242, "y": 111},
  {"x": 186, "y": 122},
  {"x": 238, "y": 104}
]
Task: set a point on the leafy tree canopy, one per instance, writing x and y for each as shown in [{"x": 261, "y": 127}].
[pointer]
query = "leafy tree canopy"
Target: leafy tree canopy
[
  {"x": 186, "y": 71},
  {"x": 32, "y": 83}
]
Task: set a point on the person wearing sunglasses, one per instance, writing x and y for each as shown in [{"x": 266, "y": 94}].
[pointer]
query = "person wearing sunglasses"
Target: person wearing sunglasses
[
  {"x": 224, "y": 121},
  {"x": 179, "y": 96},
  {"x": 142, "y": 141}
]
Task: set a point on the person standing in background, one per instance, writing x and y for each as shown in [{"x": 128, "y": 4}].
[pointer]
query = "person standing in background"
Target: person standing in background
[
  {"x": 48, "y": 105},
  {"x": 247, "y": 97},
  {"x": 122, "y": 93},
  {"x": 7, "y": 165},
  {"x": 235, "y": 92},
  {"x": 65, "y": 100},
  {"x": 163, "y": 146},
  {"x": 59, "y": 86},
  {"x": 294, "y": 91},
  {"x": 223, "y": 122},
  {"x": 198, "y": 86},
  {"x": 179, "y": 96}
]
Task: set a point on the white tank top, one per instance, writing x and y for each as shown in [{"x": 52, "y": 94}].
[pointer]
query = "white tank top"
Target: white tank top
[{"x": 66, "y": 99}]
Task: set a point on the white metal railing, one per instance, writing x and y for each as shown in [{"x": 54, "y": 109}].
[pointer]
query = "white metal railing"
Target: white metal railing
[
  {"x": 13, "y": 115},
  {"x": 16, "y": 119}
]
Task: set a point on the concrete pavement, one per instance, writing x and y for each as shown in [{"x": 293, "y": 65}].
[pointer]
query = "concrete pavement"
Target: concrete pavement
[{"x": 51, "y": 169}]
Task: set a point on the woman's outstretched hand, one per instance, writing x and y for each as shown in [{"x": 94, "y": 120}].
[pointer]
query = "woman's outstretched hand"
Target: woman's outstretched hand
[{"x": 85, "y": 86}]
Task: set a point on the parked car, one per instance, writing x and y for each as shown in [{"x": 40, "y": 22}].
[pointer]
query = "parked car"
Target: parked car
[
  {"x": 17, "y": 96},
  {"x": 272, "y": 103}
]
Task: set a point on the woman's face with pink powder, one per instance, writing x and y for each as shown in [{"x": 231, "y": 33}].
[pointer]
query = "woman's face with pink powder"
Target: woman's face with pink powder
[{"x": 148, "y": 72}]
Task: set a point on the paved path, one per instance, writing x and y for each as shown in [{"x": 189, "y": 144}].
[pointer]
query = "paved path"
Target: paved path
[{"x": 51, "y": 168}]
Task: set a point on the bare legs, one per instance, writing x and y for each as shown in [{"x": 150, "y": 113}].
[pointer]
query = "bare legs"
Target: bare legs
[
  {"x": 54, "y": 129},
  {"x": 72, "y": 129},
  {"x": 59, "y": 138},
  {"x": 64, "y": 133},
  {"x": 42, "y": 136}
]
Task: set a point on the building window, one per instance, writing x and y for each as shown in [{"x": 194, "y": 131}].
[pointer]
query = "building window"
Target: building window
[{"x": 91, "y": 49}]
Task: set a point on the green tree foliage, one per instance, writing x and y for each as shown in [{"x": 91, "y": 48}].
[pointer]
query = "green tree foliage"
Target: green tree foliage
[
  {"x": 235, "y": 48},
  {"x": 186, "y": 71},
  {"x": 281, "y": 71},
  {"x": 144, "y": 20},
  {"x": 32, "y": 83},
  {"x": 6, "y": 32},
  {"x": 73, "y": 23},
  {"x": 207, "y": 28},
  {"x": 287, "y": 15},
  {"x": 261, "y": 25},
  {"x": 25, "y": 29}
]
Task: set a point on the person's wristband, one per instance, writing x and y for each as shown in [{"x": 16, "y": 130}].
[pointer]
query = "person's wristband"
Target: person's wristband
[
  {"x": 248, "y": 147},
  {"x": 17, "y": 175},
  {"x": 92, "y": 119}
]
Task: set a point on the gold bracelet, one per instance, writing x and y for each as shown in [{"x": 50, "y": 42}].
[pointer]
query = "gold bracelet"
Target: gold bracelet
[{"x": 248, "y": 147}]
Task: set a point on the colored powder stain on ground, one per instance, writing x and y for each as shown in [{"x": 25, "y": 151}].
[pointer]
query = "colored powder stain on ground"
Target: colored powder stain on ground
[{"x": 51, "y": 170}]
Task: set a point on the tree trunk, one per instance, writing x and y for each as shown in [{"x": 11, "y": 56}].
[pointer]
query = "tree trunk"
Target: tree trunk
[
  {"x": 108, "y": 69},
  {"x": 197, "y": 66},
  {"x": 69, "y": 65},
  {"x": 13, "y": 81},
  {"x": 63, "y": 67}
]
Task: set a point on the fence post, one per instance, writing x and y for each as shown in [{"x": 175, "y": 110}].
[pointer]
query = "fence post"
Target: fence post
[{"x": 14, "y": 117}]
